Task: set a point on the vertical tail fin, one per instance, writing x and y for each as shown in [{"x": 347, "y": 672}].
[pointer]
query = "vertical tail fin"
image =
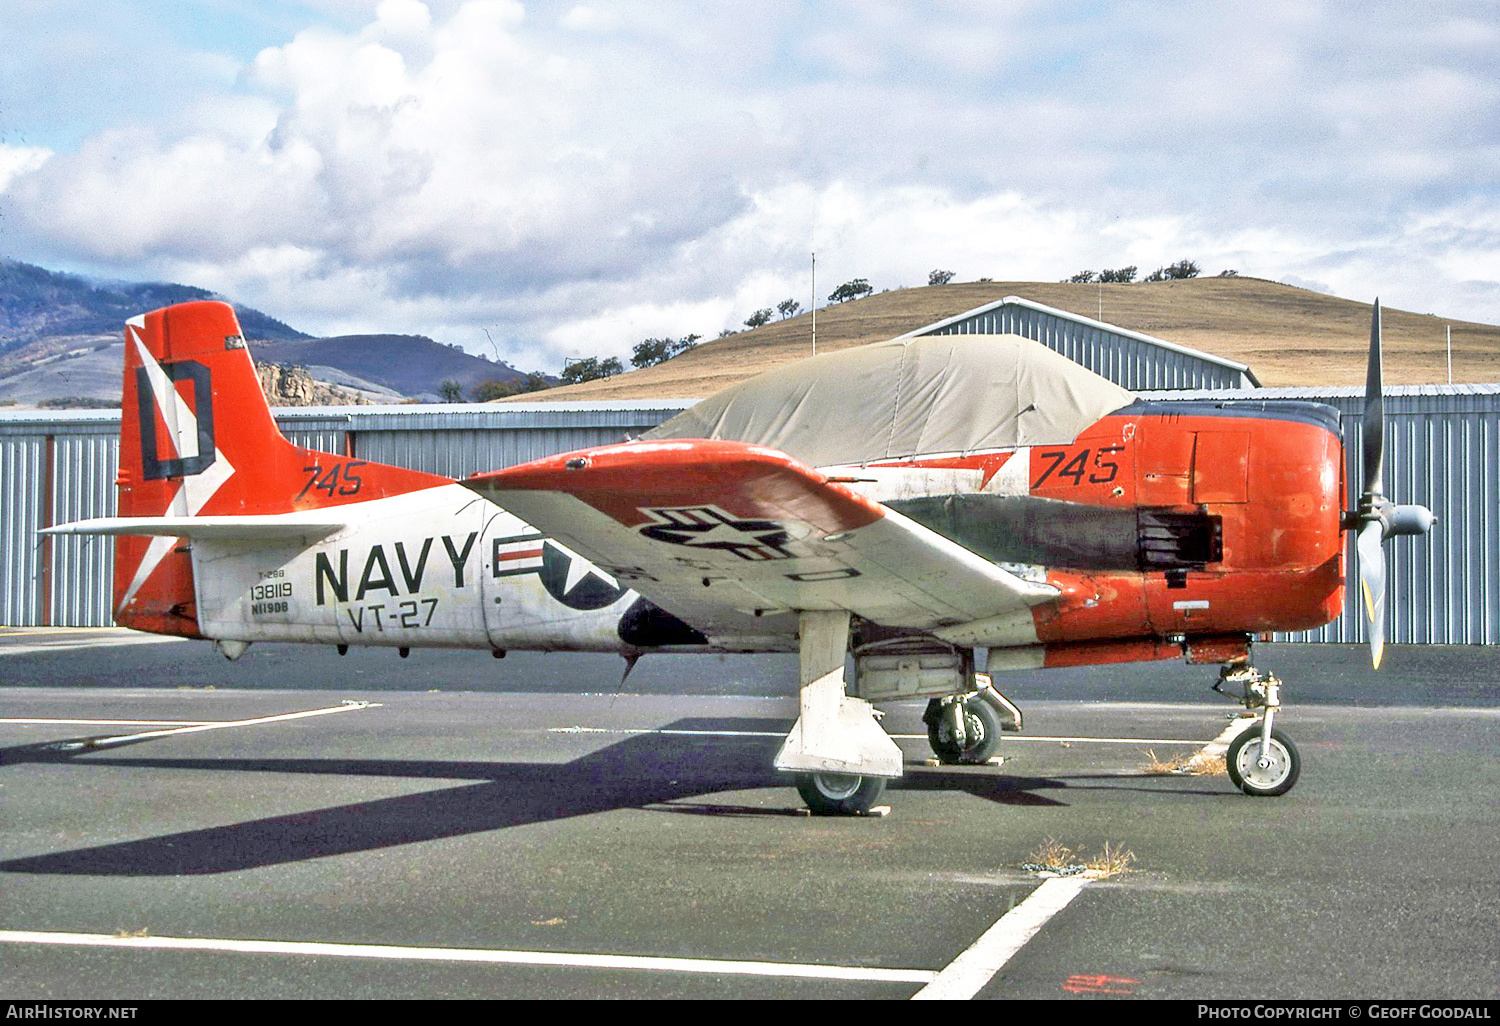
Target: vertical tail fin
[
  {"x": 197, "y": 439},
  {"x": 183, "y": 365}
]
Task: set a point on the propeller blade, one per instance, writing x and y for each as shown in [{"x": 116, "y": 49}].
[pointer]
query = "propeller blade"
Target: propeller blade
[
  {"x": 1372, "y": 585},
  {"x": 1374, "y": 426}
]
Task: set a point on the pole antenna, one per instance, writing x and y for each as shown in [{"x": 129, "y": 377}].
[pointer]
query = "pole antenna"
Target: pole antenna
[{"x": 815, "y": 302}]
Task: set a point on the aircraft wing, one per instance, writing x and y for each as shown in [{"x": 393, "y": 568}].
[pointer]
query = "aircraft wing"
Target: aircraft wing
[{"x": 722, "y": 534}]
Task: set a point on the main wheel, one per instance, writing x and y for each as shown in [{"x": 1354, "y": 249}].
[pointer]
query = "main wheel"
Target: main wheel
[
  {"x": 981, "y": 733},
  {"x": 839, "y": 794},
  {"x": 1283, "y": 764}
]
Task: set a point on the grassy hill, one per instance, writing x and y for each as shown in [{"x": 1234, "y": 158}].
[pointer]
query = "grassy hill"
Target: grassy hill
[{"x": 1288, "y": 336}]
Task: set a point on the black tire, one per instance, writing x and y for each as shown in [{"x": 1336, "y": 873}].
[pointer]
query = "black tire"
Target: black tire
[
  {"x": 1278, "y": 778},
  {"x": 839, "y": 794},
  {"x": 982, "y": 726}
]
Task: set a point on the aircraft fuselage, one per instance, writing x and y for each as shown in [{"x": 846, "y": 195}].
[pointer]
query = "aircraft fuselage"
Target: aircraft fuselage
[{"x": 1163, "y": 522}]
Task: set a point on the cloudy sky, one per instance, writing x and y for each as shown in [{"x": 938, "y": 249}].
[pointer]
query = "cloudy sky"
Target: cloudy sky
[{"x": 576, "y": 177}]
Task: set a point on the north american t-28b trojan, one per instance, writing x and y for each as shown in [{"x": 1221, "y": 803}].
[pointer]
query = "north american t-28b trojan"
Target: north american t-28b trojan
[{"x": 938, "y": 508}]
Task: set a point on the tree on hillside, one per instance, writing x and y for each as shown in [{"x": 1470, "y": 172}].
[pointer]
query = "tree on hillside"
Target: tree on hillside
[
  {"x": 1123, "y": 275},
  {"x": 851, "y": 290},
  {"x": 939, "y": 277},
  {"x": 493, "y": 388},
  {"x": 1174, "y": 272},
  {"x": 649, "y": 352},
  {"x": 451, "y": 391},
  {"x": 758, "y": 318},
  {"x": 591, "y": 368},
  {"x": 1082, "y": 278},
  {"x": 1229, "y": 274},
  {"x": 788, "y": 308}
]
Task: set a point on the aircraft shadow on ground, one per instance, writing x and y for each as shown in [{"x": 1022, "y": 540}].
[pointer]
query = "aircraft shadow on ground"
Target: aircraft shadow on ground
[{"x": 641, "y": 771}]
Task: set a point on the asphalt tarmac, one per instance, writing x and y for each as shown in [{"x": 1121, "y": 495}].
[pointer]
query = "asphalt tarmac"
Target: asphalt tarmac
[{"x": 455, "y": 826}]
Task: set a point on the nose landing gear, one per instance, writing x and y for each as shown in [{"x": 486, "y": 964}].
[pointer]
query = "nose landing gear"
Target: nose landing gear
[{"x": 1262, "y": 760}]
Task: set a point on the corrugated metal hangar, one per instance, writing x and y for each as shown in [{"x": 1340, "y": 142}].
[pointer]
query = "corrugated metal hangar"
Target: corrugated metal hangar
[
  {"x": 1442, "y": 446},
  {"x": 1128, "y": 358}
]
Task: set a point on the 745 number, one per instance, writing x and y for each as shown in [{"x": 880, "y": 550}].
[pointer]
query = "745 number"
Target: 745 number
[{"x": 1104, "y": 469}]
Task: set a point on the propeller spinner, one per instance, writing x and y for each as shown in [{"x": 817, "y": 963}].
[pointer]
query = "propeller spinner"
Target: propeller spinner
[{"x": 1377, "y": 518}]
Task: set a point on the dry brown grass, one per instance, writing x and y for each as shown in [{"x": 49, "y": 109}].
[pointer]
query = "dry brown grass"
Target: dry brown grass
[
  {"x": 1112, "y": 861},
  {"x": 1054, "y": 856},
  {"x": 1288, "y": 336},
  {"x": 1051, "y": 853},
  {"x": 1199, "y": 764}
]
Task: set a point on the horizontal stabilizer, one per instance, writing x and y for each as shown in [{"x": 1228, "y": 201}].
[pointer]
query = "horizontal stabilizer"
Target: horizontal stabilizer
[{"x": 275, "y": 527}]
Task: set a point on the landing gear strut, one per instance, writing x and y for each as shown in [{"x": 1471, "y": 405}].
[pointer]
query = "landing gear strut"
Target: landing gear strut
[
  {"x": 1262, "y": 760},
  {"x": 840, "y": 755}
]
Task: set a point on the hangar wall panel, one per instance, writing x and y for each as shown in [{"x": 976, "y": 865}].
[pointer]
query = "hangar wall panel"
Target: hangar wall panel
[
  {"x": 22, "y": 482},
  {"x": 83, "y": 480}
]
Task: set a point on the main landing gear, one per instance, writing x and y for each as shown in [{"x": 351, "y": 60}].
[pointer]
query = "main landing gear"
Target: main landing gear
[
  {"x": 1262, "y": 760},
  {"x": 837, "y": 750}
]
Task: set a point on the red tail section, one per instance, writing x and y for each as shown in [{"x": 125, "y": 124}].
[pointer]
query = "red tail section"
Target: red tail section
[{"x": 197, "y": 439}]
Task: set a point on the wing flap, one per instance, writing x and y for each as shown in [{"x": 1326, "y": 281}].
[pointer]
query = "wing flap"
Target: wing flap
[{"x": 719, "y": 531}]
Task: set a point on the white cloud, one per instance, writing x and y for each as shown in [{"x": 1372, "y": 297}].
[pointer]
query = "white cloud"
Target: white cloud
[
  {"x": 585, "y": 175},
  {"x": 19, "y": 160}
]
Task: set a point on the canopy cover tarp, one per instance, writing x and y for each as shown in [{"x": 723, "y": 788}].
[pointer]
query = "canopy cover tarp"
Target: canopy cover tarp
[{"x": 907, "y": 397}]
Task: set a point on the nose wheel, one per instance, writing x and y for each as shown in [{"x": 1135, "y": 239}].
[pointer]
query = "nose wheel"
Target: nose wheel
[
  {"x": 1262, "y": 760},
  {"x": 1263, "y": 767}
]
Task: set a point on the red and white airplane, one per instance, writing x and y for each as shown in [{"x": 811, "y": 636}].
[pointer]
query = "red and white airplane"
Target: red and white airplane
[{"x": 940, "y": 507}]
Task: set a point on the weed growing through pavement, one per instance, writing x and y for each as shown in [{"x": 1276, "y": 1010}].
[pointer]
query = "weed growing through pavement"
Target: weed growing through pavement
[
  {"x": 1199, "y": 764},
  {"x": 1052, "y": 856},
  {"x": 1112, "y": 861}
]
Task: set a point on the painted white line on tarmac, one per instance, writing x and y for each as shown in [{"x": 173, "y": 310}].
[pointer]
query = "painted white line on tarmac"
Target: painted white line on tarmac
[
  {"x": 482, "y": 955},
  {"x": 1005, "y": 738},
  {"x": 967, "y": 974},
  {"x": 1220, "y": 745},
  {"x": 105, "y": 742},
  {"x": 105, "y": 723},
  {"x": 898, "y": 737},
  {"x": 63, "y": 643},
  {"x": 664, "y": 730}
]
